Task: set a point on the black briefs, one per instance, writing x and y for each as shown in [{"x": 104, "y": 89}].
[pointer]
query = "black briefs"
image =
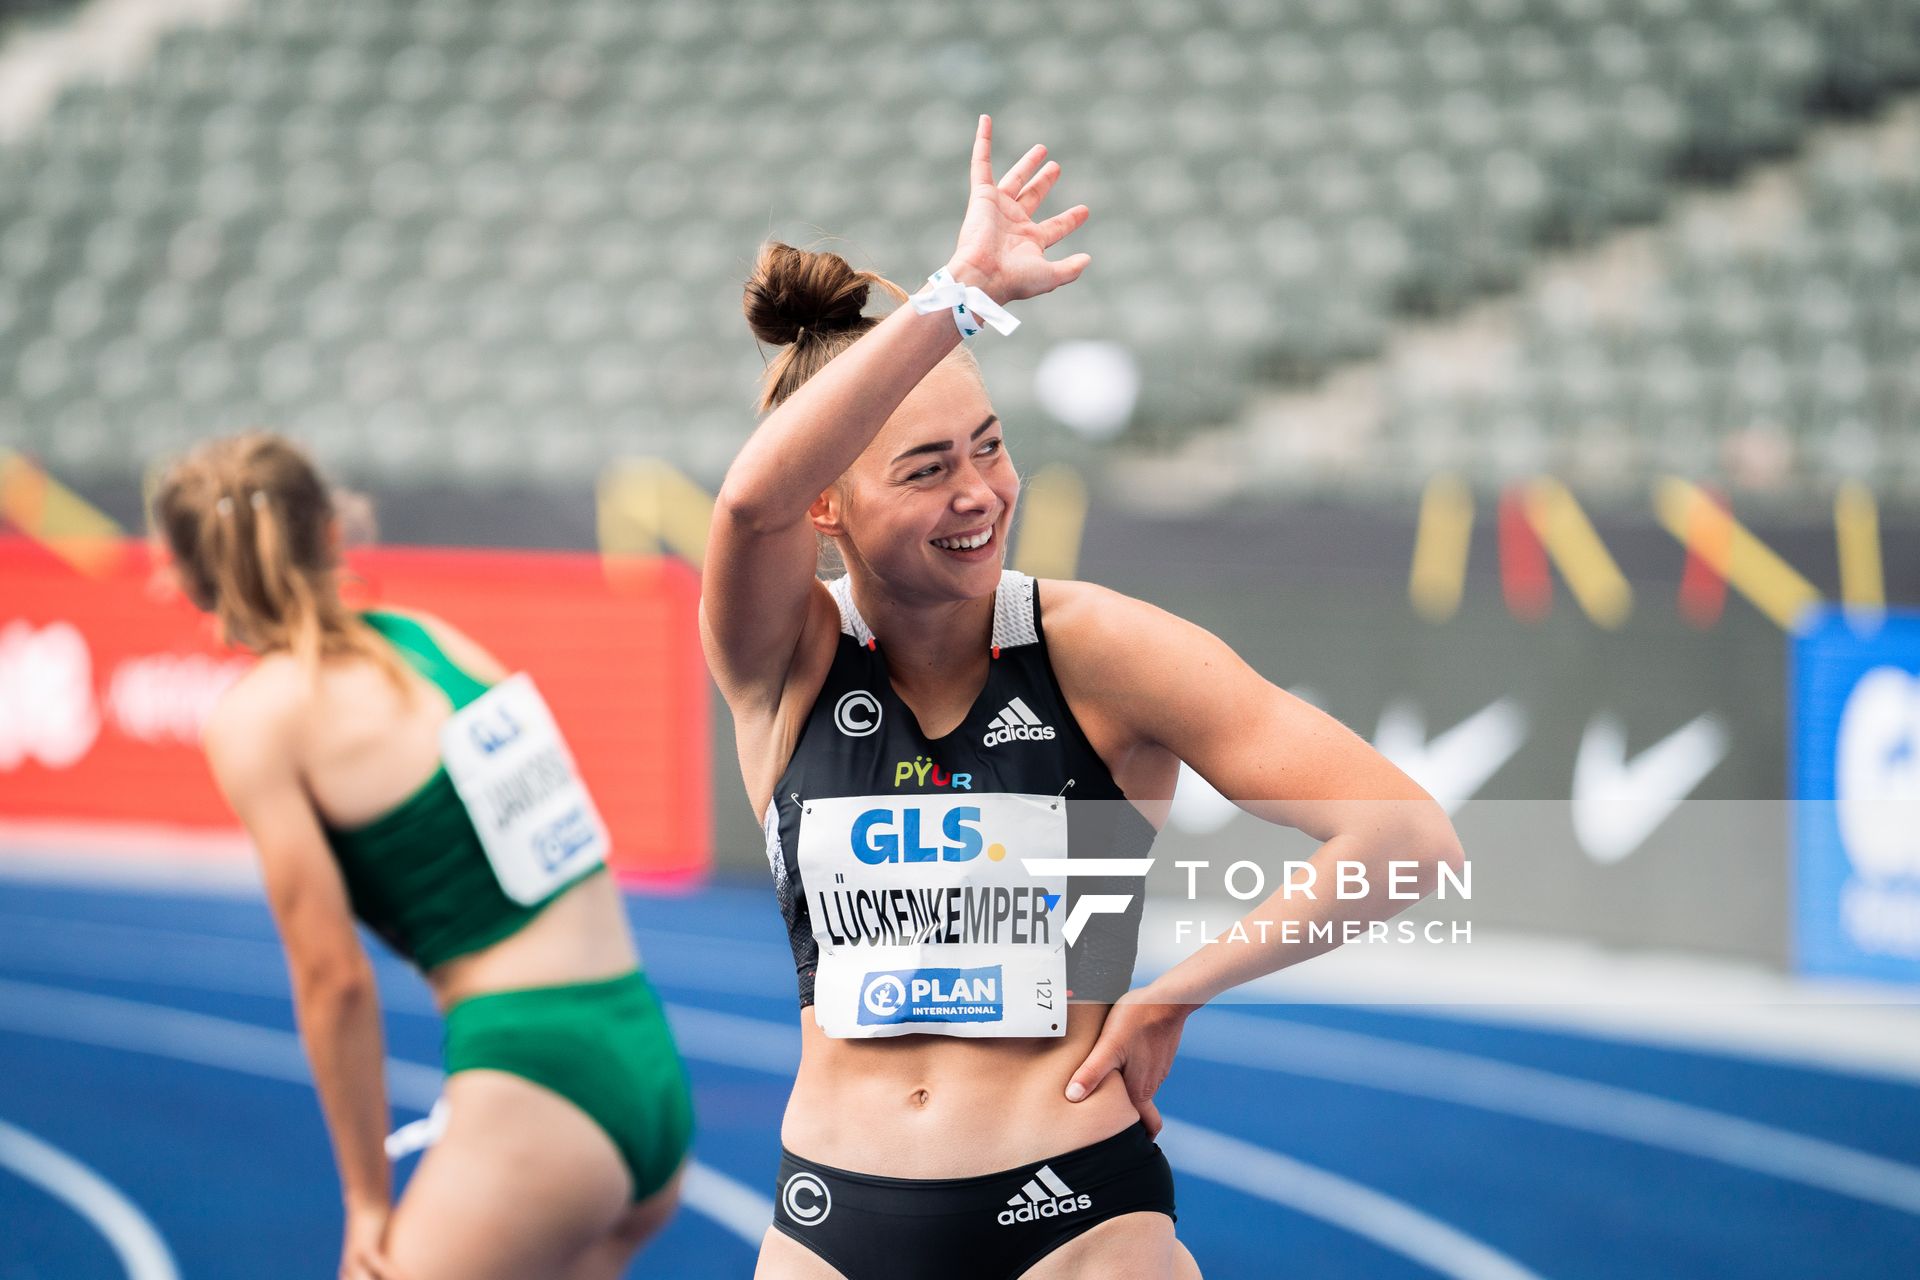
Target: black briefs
[{"x": 991, "y": 1227}]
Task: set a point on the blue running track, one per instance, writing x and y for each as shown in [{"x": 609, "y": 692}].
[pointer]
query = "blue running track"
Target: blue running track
[{"x": 153, "y": 1107}]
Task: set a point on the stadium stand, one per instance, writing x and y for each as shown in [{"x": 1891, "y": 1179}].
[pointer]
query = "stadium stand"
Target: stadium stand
[
  {"x": 30, "y": 10},
  {"x": 1766, "y": 336},
  {"x": 471, "y": 240}
]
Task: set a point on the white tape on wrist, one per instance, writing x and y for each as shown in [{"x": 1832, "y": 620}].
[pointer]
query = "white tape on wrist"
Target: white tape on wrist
[{"x": 970, "y": 305}]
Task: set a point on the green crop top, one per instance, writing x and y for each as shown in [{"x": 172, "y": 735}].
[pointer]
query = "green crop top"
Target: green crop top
[{"x": 417, "y": 875}]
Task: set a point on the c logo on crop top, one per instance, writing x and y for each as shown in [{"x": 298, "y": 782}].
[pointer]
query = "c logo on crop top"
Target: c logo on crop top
[{"x": 857, "y": 714}]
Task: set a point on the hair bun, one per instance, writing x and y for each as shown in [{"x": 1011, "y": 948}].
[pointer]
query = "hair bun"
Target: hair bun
[{"x": 793, "y": 290}]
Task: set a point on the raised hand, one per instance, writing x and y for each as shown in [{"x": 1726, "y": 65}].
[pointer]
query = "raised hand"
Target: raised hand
[{"x": 1001, "y": 248}]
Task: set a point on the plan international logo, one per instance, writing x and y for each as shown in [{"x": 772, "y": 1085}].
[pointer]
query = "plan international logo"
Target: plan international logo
[{"x": 932, "y": 995}]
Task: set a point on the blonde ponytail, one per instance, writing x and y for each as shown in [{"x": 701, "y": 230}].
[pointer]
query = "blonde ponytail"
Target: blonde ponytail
[
  {"x": 284, "y": 589},
  {"x": 251, "y": 527}
]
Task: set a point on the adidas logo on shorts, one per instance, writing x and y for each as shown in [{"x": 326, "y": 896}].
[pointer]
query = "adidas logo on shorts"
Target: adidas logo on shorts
[
  {"x": 1017, "y": 723},
  {"x": 1044, "y": 1196}
]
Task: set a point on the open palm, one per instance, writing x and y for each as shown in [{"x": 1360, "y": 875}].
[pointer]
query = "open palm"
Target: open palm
[{"x": 1001, "y": 248}]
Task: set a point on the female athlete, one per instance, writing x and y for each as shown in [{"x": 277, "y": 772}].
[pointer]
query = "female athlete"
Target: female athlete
[
  {"x": 927, "y": 738},
  {"x": 567, "y": 1109}
]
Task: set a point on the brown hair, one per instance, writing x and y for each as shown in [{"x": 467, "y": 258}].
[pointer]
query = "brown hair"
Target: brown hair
[
  {"x": 814, "y": 305},
  {"x": 251, "y": 526}
]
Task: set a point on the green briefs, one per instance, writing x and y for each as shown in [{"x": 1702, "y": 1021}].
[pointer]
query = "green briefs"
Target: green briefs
[{"x": 603, "y": 1046}]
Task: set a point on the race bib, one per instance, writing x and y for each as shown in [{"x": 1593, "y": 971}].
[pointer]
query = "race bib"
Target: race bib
[
  {"x": 517, "y": 780},
  {"x": 927, "y": 919}
]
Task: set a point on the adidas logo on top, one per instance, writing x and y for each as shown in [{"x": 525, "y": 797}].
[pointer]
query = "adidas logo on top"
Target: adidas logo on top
[
  {"x": 1044, "y": 1196},
  {"x": 1017, "y": 723}
]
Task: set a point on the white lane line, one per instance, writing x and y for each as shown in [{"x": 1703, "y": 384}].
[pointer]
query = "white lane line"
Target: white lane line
[
  {"x": 110, "y": 1022},
  {"x": 132, "y": 1236},
  {"x": 735, "y": 1206},
  {"x": 1529, "y": 1093},
  {"x": 1392, "y": 1224},
  {"x": 751, "y": 950},
  {"x": 1728, "y": 1009},
  {"x": 1464, "y": 1079},
  {"x": 1444, "y": 1075},
  {"x": 736, "y": 1041},
  {"x": 30, "y": 940},
  {"x": 248, "y": 968},
  {"x": 112, "y": 930},
  {"x": 752, "y": 1043},
  {"x": 126, "y": 953},
  {"x": 137, "y": 1027},
  {"x": 255, "y": 969},
  {"x": 1705, "y": 1004}
]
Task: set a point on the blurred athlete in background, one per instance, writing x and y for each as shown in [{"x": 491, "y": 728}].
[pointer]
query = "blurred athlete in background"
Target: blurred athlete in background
[{"x": 360, "y": 751}]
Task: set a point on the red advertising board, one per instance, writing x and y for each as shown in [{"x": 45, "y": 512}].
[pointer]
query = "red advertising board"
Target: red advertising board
[{"x": 106, "y": 680}]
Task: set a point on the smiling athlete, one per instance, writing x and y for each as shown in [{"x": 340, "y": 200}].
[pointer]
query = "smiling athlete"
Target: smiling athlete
[{"x": 939, "y": 748}]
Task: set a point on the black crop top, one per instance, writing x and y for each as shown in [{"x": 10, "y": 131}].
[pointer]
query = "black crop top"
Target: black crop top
[{"x": 861, "y": 739}]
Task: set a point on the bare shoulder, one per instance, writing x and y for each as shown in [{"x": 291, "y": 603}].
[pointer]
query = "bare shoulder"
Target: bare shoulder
[
  {"x": 468, "y": 653},
  {"x": 1099, "y": 634},
  {"x": 1077, "y": 616},
  {"x": 1103, "y": 647},
  {"x": 1149, "y": 671},
  {"x": 257, "y": 714}
]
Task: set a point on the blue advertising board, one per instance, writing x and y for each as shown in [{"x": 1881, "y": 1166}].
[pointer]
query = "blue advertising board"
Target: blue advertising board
[{"x": 1854, "y": 762}]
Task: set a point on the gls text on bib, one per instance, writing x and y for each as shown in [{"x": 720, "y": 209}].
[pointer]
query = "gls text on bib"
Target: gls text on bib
[{"x": 926, "y": 918}]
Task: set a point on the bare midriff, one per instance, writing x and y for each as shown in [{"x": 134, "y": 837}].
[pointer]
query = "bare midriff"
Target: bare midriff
[
  {"x": 922, "y": 1106},
  {"x": 580, "y": 937}
]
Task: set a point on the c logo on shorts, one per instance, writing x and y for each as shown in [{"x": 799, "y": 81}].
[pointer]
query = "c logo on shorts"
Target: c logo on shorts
[
  {"x": 806, "y": 1199},
  {"x": 857, "y": 714}
]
